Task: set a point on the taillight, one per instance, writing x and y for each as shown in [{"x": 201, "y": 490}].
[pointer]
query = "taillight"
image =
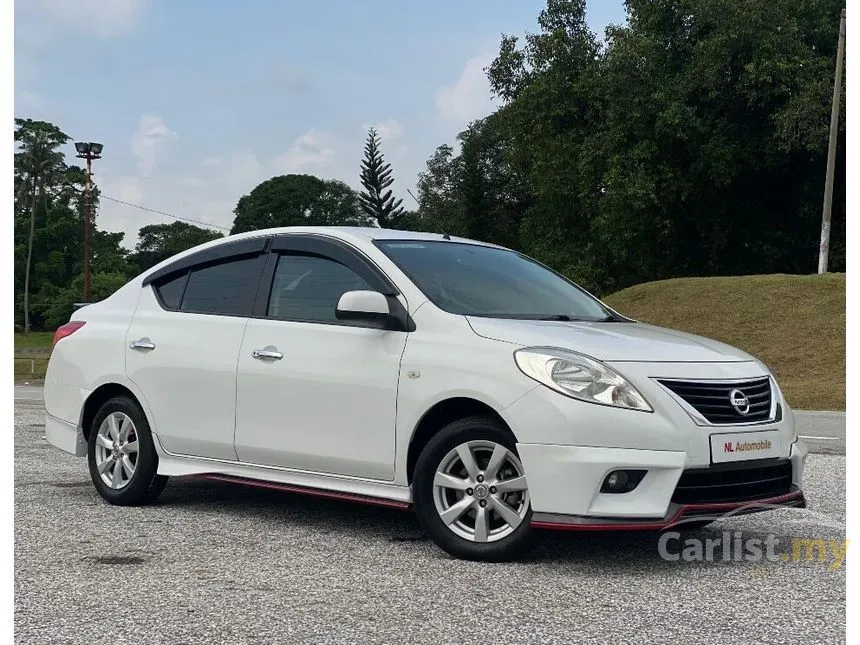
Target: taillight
[{"x": 67, "y": 330}]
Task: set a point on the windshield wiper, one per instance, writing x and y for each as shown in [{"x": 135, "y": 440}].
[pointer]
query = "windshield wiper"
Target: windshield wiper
[{"x": 568, "y": 318}]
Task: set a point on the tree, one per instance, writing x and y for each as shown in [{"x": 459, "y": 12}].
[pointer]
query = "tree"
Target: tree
[
  {"x": 376, "y": 201},
  {"x": 692, "y": 141},
  {"x": 298, "y": 200},
  {"x": 38, "y": 163},
  {"x": 476, "y": 193},
  {"x": 59, "y": 301},
  {"x": 157, "y": 242}
]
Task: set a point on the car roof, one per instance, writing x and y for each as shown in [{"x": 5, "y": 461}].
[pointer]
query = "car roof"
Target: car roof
[
  {"x": 348, "y": 233},
  {"x": 366, "y": 232}
]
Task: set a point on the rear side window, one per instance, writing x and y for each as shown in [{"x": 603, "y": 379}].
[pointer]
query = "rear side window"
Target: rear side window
[
  {"x": 308, "y": 287},
  {"x": 226, "y": 288},
  {"x": 171, "y": 291}
]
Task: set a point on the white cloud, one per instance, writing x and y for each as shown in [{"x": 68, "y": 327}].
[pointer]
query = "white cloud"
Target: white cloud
[
  {"x": 207, "y": 194},
  {"x": 104, "y": 18},
  {"x": 389, "y": 129},
  {"x": 313, "y": 150},
  {"x": 128, "y": 189},
  {"x": 193, "y": 182},
  {"x": 469, "y": 97},
  {"x": 150, "y": 141},
  {"x": 212, "y": 161}
]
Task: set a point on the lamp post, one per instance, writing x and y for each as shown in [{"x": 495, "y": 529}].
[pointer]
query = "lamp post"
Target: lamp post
[
  {"x": 88, "y": 151},
  {"x": 824, "y": 246}
]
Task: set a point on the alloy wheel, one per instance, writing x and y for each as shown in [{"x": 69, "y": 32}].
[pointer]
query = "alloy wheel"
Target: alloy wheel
[
  {"x": 480, "y": 491},
  {"x": 116, "y": 450}
]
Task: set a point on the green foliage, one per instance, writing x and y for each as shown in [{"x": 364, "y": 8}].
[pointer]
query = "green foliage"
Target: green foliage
[
  {"x": 48, "y": 232},
  {"x": 692, "y": 142},
  {"x": 298, "y": 200},
  {"x": 376, "y": 201},
  {"x": 476, "y": 194},
  {"x": 39, "y": 167},
  {"x": 58, "y": 302},
  {"x": 157, "y": 242}
]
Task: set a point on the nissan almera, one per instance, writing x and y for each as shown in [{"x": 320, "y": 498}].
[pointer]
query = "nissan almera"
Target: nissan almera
[{"x": 460, "y": 379}]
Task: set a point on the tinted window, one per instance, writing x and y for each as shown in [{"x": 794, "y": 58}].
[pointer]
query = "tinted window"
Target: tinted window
[
  {"x": 225, "y": 288},
  {"x": 171, "y": 291},
  {"x": 475, "y": 280},
  {"x": 308, "y": 287}
]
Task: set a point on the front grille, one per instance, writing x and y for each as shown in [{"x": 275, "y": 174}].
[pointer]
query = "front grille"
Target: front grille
[
  {"x": 713, "y": 400},
  {"x": 734, "y": 483}
]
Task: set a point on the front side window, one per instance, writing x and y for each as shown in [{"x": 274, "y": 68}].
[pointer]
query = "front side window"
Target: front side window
[
  {"x": 226, "y": 288},
  {"x": 474, "y": 280},
  {"x": 308, "y": 288}
]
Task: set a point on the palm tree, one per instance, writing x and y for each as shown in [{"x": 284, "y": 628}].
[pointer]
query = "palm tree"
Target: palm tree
[{"x": 38, "y": 163}]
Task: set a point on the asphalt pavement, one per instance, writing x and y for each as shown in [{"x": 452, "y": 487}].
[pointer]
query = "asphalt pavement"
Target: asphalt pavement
[{"x": 217, "y": 563}]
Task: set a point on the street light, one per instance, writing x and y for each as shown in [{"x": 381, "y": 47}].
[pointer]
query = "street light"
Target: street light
[{"x": 89, "y": 151}]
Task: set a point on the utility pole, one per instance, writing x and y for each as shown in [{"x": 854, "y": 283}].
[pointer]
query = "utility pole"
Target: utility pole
[
  {"x": 824, "y": 247},
  {"x": 88, "y": 151}
]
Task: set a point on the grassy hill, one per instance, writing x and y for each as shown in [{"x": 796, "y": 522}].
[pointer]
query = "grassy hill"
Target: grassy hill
[{"x": 795, "y": 324}]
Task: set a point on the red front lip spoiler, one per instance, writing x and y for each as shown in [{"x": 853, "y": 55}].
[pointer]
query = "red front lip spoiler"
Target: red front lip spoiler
[{"x": 684, "y": 511}]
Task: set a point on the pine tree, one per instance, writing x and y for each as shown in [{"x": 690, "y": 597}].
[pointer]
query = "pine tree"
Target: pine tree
[{"x": 375, "y": 200}]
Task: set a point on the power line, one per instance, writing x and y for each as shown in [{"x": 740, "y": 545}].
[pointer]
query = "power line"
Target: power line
[{"x": 155, "y": 210}]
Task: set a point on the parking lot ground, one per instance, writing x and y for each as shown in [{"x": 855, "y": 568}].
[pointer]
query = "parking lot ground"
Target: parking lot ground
[{"x": 215, "y": 563}]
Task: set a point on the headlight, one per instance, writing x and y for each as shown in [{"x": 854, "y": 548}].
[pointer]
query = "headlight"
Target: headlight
[{"x": 579, "y": 377}]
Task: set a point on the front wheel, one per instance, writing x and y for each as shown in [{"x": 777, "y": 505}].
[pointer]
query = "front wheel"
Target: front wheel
[
  {"x": 121, "y": 454},
  {"x": 470, "y": 491}
]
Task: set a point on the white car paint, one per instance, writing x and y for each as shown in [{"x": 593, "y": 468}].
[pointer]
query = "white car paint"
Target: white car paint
[
  {"x": 189, "y": 348},
  {"x": 327, "y": 406},
  {"x": 339, "y": 410}
]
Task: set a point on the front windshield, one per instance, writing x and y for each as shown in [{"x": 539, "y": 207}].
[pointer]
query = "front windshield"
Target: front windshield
[{"x": 475, "y": 280}]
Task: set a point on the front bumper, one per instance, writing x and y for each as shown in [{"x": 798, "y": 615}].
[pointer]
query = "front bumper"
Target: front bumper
[
  {"x": 676, "y": 515},
  {"x": 568, "y": 447},
  {"x": 564, "y": 488}
]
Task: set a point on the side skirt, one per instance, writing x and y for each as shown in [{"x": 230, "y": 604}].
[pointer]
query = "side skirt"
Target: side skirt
[
  {"x": 305, "y": 490},
  {"x": 297, "y": 481}
]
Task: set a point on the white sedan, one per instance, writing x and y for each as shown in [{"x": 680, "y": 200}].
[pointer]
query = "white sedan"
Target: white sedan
[{"x": 414, "y": 370}]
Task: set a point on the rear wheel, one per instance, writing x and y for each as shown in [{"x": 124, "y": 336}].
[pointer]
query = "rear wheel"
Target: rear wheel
[
  {"x": 121, "y": 454},
  {"x": 470, "y": 491}
]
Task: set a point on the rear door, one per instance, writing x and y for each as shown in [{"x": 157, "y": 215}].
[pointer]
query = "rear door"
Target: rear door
[
  {"x": 315, "y": 393},
  {"x": 183, "y": 344}
]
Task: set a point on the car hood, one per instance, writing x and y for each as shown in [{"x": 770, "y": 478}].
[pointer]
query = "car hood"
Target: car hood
[{"x": 612, "y": 341}]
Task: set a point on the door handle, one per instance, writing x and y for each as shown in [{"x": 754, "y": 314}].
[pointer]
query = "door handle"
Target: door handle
[
  {"x": 266, "y": 354},
  {"x": 143, "y": 343}
]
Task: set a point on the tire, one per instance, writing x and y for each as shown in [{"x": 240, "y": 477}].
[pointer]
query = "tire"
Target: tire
[
  {"x": 118, "y": 427},
  {"x": 500, "y": 529}
]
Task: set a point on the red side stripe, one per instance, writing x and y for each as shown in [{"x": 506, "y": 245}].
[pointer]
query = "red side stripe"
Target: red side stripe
[{"x": 305, "y": 490}]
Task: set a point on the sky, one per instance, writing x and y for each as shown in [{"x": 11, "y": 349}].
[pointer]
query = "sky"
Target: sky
[{"x": 197, "y": 101}]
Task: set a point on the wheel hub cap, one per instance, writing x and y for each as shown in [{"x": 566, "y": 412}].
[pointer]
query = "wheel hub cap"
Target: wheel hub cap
[{"x": 482, "y": 491}]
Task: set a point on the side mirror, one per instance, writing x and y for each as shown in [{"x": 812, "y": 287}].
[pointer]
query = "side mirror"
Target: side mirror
[{"x": 364, "y": 306}]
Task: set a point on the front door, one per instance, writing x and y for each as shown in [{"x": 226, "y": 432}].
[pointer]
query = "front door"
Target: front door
[{"x": 314, "y": 393}]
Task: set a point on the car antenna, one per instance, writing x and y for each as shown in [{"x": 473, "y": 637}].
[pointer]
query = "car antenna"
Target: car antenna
[{"x": 445, "y": 236}]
